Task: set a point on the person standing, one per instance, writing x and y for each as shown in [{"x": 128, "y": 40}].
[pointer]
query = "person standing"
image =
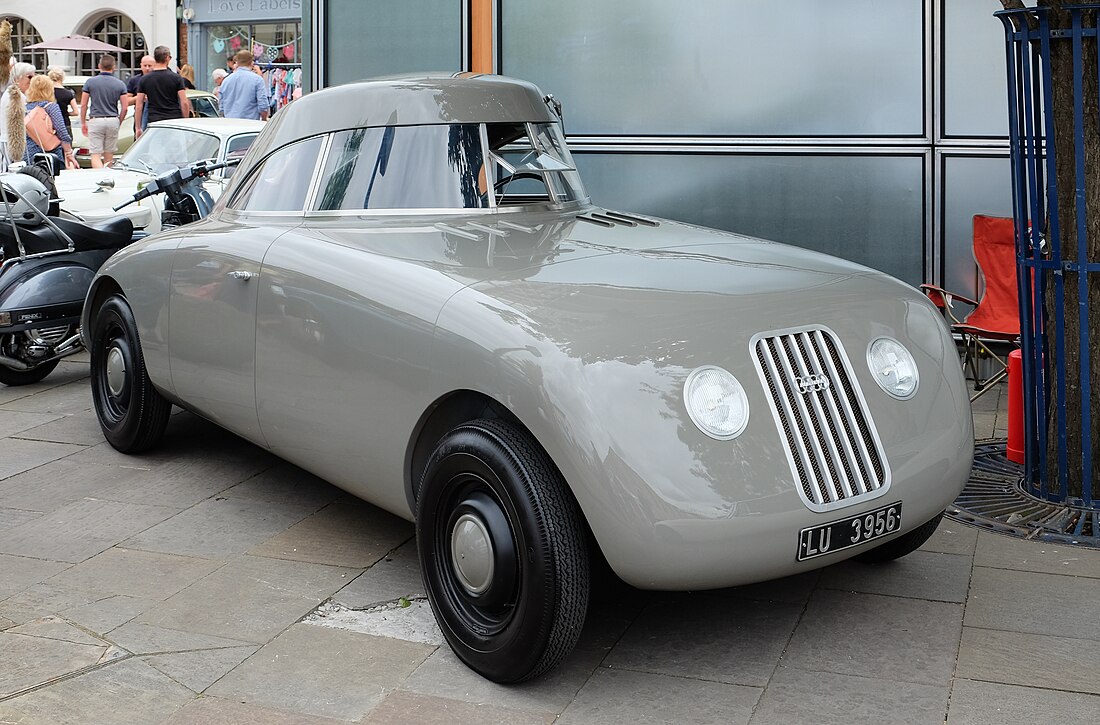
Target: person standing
[
  {"x": 244, "y": 93},
  {"x": 102, "y": 110},
  {"x": 187, "y": 73},
  {"x": 162, "y": 90},
  {"x": 65, "y": 98},
  {"x": 218, "y": 75},
  {"x": 12, "y": 103},
  {"x": 147, "y": 64},
  {"x": 40, "y": 94}
]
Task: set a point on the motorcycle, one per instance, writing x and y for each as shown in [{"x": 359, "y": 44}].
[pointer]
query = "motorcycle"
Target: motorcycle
[{"x": 48, "y": 262}]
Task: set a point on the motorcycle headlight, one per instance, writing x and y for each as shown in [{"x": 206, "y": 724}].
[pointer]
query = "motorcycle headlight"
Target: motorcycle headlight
[
  {"x": 716, "y": 402},
  {"x": 893, "y": 367}
]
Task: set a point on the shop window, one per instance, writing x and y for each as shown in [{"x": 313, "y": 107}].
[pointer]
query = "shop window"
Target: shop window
[
  {"x": 117, "y": 30},
  {"x": 22, "y": 35}
]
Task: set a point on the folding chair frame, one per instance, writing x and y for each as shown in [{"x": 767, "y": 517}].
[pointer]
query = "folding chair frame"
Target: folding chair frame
[{"x": 973, "y": 338}]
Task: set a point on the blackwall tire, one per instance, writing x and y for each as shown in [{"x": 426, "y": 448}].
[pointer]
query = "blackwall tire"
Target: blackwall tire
[
  {"x": 903, "y": 545},
  {"x": 46, "y": 180},
  {"x": 502, "y": 551},
  {"x": 132, "y": 414}
]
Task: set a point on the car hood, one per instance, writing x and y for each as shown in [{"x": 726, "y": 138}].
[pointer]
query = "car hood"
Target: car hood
[
  {"x": 80, "y": 194},
  {"x": 87, "y": 180},
  {"x": 649, "y": 254}
]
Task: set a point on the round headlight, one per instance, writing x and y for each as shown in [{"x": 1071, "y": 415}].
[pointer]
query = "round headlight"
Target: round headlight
[
  {"x": 716, "y": 402},
  {"x": 893, "y": 368}
]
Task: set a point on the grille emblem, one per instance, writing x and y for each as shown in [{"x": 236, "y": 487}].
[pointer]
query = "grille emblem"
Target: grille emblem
[{"x": 812, "y": 383}]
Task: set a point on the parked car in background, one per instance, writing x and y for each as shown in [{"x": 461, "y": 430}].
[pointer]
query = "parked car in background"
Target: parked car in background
[
  {"x": 203, "y": 105},
  {"x": 91, "y": 193},
  {"x": 406, "y": 290}
]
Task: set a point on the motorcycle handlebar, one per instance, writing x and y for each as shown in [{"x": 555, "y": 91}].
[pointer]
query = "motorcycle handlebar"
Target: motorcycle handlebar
[{"x": 199, "y": 169}]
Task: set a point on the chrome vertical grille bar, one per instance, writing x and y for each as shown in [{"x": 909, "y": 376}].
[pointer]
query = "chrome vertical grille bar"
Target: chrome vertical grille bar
[
  {"x": 854, "y": 473},
  {"x": 827, "y": 431},
  {"x": 806, "y": 429},
  {"x": 808, "y": 361},
  {"x": 779, "y": 396},
  {"x": 860, "y": 458}
]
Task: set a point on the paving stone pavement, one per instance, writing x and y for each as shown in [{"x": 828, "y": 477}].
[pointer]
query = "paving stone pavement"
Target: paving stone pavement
[{"x": 209, "y": 582}]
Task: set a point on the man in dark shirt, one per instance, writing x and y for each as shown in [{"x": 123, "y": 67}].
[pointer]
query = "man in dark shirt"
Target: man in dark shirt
[{"x": 162, "y": 90}]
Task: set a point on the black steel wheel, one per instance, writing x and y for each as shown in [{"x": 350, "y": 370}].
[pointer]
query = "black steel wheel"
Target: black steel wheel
[
  {"x": 903, "y": 545},
  {"x": 132, "y": 414},
  {"x": 502, "y": 551}
]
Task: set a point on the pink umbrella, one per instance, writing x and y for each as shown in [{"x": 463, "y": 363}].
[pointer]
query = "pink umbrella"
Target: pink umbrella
[{"x": 76, "y": 42}]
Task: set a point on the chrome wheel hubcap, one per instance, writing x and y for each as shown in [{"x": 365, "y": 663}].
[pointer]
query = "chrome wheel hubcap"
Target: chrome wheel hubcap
[
  {"x": 116, "y": 371},
  {"x": 472, "y": 554}
]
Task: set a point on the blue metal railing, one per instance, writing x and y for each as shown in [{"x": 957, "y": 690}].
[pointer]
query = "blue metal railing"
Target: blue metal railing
[{"x": 1041, "y": 263}]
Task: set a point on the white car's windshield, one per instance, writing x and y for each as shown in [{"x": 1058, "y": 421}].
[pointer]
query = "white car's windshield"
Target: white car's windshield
[{"x": 159, "y": 148}]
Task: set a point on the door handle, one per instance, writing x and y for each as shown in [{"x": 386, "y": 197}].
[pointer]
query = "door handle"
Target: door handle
[{"x": 241, "y": 274}]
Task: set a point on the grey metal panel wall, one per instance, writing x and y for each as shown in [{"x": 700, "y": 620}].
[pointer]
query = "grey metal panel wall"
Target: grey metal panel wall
[
  {"x": 712, "y": 67},
  {"x": 369, "y": 38},
  {"x": 872, "y": 213},
  {"x": 972, "y": 184},
  {"x": 975, "y": 103}
]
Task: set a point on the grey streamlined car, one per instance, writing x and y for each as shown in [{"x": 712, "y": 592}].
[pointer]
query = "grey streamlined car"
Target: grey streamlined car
[{"x": 407, "y": 291}]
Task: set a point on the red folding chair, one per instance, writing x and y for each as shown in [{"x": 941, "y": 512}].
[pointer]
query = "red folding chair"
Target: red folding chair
[{"x": 996, "y": 316}]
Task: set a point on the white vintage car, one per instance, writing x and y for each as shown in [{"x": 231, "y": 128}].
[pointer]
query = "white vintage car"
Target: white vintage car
[{"x": 91, "y": 193}]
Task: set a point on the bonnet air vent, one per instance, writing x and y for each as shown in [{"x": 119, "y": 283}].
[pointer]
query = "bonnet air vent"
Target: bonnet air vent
[{"x": 614, "y": 218}]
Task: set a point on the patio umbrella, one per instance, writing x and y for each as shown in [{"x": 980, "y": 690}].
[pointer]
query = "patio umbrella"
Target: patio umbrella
[{"x": 76, "y": 42}]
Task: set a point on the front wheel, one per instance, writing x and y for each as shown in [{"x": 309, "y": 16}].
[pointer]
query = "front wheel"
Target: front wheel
[
  {"x": 502, "y": 551},
  {"x": 132, "y": 414},
  {"x": 903, "y": 545}
]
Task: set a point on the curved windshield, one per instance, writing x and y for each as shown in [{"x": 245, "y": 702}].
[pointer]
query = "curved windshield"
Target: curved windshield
[{"x": 162, "y": 147}]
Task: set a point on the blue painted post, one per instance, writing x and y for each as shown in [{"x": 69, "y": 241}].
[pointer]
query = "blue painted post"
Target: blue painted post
[{"x": 1042, "y": 263}]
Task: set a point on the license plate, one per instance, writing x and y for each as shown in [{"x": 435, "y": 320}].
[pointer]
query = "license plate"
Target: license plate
[{"x": 828, "y": 538}]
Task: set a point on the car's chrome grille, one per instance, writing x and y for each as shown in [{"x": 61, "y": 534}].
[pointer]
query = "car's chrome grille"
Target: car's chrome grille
[{"x": 830, "y": 439}]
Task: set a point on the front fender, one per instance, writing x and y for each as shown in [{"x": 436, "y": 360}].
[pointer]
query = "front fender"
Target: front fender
[
  {"x": 143, "y": 272},
  {"x": 669, "y": 506}
]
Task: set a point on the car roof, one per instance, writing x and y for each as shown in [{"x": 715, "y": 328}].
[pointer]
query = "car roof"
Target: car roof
[
  {"x": 220, "y": 126},
  {"x": 426, "y": 99}
]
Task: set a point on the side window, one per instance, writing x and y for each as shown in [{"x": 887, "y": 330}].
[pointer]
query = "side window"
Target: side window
[
  {"x": 405, "y": 167},
  {"x": 282, "y": 181},
  {"x": 235, "y": 149}
]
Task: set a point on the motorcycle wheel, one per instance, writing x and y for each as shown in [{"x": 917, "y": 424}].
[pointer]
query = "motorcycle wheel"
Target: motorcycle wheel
[
  {"x": 12, "y": 377},
  {"x": 132, "y": 414}
]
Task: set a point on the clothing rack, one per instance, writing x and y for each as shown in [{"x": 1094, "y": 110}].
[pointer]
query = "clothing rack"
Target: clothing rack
[{"x": 284, "y": 82}]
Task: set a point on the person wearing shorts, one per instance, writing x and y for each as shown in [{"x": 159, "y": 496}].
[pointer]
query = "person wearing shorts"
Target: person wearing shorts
[{"x": 102, "y": 110}]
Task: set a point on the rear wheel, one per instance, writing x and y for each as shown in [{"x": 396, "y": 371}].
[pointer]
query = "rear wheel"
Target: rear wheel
[
  {"x": 46, "y": 179},
  {"x": 131, "y": 412},
  {"x": 13, "y": 377},
  {"x": 903, "y": 545},
  {"x": 502, "y": 551}
]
